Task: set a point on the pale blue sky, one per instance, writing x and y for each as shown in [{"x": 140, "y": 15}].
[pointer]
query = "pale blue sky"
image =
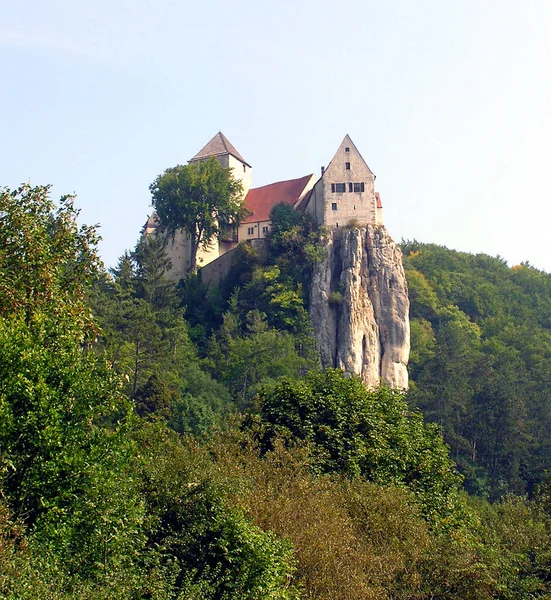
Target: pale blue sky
[{"x": 448, "y": 101}]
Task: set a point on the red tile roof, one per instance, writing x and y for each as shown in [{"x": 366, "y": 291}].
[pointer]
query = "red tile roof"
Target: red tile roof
[
  {"x": 379, "y": 203},
  {"x": 261, "y": 200}
]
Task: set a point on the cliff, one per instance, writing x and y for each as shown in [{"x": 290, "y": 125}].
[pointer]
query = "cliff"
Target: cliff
[{"x": 359, "y": 306}]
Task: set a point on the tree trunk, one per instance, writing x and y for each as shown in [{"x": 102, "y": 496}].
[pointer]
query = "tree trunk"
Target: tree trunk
[
  {"x": 193, "y": 258},
  {"x": 136, "y": 368}
]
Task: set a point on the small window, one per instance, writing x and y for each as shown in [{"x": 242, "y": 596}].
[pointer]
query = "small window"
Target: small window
[
  {"x": 358, "y": 187},
  {"x": 244, "y": 169},
  {"x": 265, "y": 229},
  {"x": 333, "y": 187},
  {"x": 339, "y": 187},
  {"x": 347, "y": 149},
  {"x": 362, "y": 187},
  {"x": 334, "y": 205},
  {"x": 348, "y": 166},
  {"x": 250, "y": 230},
  {"x": 349, "y": 187}
]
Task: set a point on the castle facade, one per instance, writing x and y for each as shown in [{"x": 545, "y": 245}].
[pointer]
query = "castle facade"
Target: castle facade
[{"x": 343, "y": 194}]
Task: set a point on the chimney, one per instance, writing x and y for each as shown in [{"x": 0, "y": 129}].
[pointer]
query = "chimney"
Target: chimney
[{"x": 322, "y": 171}]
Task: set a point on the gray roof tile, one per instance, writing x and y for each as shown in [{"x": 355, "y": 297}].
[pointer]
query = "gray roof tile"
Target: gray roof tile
[{"x": 217, "y": 146}]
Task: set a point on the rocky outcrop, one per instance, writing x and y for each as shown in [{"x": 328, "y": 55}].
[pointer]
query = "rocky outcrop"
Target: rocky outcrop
[{"x": 359, "y": 306}]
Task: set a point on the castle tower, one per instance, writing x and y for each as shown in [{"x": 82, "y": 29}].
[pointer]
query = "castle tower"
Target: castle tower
[{"x": 226, "y": 154}]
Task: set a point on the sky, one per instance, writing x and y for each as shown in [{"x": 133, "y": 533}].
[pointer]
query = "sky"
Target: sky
[{"x": 449, "y": 102}]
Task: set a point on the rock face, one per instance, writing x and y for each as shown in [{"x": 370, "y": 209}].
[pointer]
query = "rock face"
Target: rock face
[{"x": 360, "y": 308}]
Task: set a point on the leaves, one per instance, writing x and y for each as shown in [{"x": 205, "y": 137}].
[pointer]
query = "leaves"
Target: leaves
[
  {"x": 201, "y": 198},
  {"x": 361, "y": 432}
]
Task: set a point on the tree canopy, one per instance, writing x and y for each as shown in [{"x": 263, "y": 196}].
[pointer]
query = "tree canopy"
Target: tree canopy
[
  {"x": 201, "y": 198},
  {"x": 361, "y": 432},
  {"x": 480, "y": 363},
  {"x": 126, "y": 471}
]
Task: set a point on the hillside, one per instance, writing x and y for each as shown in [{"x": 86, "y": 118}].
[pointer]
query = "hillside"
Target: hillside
[
  {"x": 170, "y": 443},
  {"x": 480, "y": 363}
]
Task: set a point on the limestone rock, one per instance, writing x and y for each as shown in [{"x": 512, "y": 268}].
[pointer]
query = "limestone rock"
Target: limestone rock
[{"x": 360, "y": 308}]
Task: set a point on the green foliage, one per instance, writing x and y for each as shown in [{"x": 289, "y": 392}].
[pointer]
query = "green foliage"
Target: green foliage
[
  {"x": 361, "y": 432},
  {"x": 516, "y": 547},
  {"x": 63, "y": 454},
  {"x": 294, "y": 244},
  {"x": 201, "y": 199},
  {"x": 259, "y": 355},
  {"x": 481, "y": 346},
  {"x": 46, "y": 260},
  {"x": 201, "y": 402},
  {"x": 145, "y": 338},
  {"x": 151, "y": 264},
  {"x": 332, "y": 491},
  {"x": 213, "y": 551},
  {"x": 355, "y": 539}
]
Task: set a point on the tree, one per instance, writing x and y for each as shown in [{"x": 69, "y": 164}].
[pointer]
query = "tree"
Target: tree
[
  {"x": 64, "y": 459},
  {"x": 46, "y": 261},
  {"x": 202, "y": 199},
  {"x": 367, "y": 433}
]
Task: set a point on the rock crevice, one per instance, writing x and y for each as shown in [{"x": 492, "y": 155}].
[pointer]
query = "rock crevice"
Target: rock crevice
[{"x": 359, "y": 306}]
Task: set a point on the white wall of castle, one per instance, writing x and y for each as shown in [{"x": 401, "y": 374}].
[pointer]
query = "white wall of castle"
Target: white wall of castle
[
  {"x": 342, "y": 207},
  {"x": 254, "y": 231},
  {"x": 179, "y": 252},
  {"x": 240, "y": 171}
]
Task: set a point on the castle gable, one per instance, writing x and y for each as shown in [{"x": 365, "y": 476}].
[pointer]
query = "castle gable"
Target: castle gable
[
  {"x": 347, "y": 154},
  {"x": 345, "y": 194}
]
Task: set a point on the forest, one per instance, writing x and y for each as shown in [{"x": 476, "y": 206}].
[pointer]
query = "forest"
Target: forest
[{"x": 180, "y": 442}]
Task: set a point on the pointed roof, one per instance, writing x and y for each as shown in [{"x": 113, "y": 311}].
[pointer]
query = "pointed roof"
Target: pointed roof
[
  {"x": 217, "y": 146},
  {"x": 348, "y": 143}
]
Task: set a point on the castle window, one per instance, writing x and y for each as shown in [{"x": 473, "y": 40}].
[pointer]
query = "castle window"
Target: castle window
[
  {"x": 334, "y": 205},
  {"x": 347, "y": 149},
  {"x": 338, "y": 187},
  {"x": 348, "y": 166},
  {"x": 250, "y": 230},
  {"x": 265, "y": 229}
]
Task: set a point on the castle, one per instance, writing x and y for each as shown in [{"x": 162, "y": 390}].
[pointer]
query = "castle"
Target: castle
[{"x": 343, "y": 194}]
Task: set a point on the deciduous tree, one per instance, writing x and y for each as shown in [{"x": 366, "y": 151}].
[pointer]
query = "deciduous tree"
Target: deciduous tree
[{"x": 200, "y": 199}]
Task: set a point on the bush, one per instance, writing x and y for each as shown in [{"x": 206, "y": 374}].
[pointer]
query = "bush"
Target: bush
[{"x": 361, "y": 432}]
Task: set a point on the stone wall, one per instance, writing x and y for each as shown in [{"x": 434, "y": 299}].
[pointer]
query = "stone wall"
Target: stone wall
[
  {"x": 344, "y": 207},
  {"x": 216, "y": 270}
]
